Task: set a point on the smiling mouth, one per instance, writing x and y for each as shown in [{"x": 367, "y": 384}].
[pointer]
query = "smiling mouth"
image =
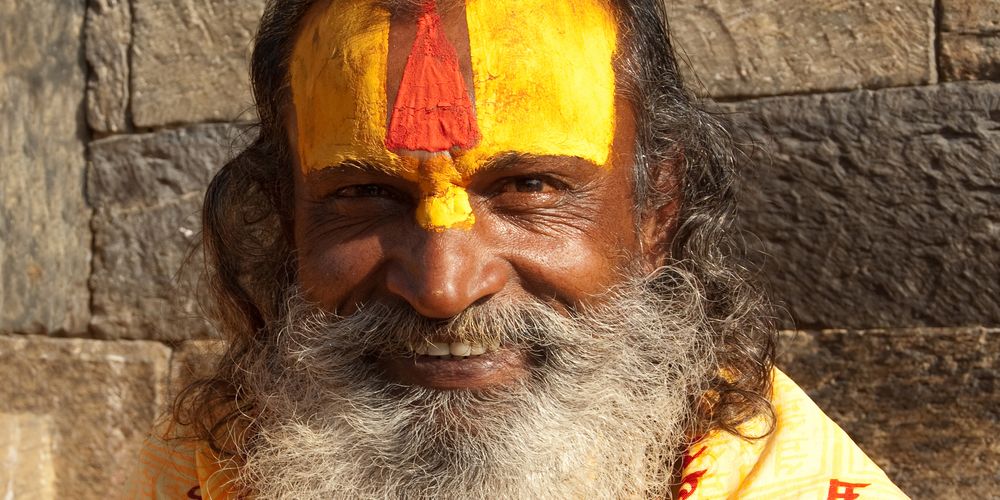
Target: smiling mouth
[
  {"x": 450, "y": 350},
  {"x": 457, "y": 365}
]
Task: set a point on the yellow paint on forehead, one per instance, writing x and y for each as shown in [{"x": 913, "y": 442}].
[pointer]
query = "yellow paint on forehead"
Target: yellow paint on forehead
[
  {"x": 544, "y": 76},
  {"x": 543, "y": 79},
  {"x": 337, "y": 78}
]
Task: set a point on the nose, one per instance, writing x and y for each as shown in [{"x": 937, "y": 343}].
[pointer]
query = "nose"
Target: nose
[{"x": 447, "y": 272}]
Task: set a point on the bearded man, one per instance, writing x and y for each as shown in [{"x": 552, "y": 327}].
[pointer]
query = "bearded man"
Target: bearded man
[{"x": 483, "y": 249}]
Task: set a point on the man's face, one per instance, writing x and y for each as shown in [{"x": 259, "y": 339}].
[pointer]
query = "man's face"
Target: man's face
[
  {"x": 471, "y": 319},
  {"x": 456, "y": 156}
]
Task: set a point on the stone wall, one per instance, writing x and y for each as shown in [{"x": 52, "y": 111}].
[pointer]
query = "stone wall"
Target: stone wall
[{"x": 873, "y": 191}]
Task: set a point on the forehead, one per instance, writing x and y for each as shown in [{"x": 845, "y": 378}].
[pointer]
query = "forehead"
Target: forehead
[{"x": 540, "y": 81}]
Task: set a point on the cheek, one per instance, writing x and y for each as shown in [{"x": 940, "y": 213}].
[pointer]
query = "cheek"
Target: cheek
[
  {"x": 581, "y": 256},
  {"x": 570, "y": 267},
  {"x": 571, "y": 270},
  {"x": 339, "y": 273}
]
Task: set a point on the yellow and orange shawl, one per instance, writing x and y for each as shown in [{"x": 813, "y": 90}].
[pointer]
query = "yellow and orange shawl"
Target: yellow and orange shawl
[{"x": 807, "y": 456}]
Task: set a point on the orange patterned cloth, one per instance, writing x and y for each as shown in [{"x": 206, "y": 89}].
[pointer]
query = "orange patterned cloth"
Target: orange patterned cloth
[
  {"x": 806, "y": 457},
  {"x": 177, "y": 469}
]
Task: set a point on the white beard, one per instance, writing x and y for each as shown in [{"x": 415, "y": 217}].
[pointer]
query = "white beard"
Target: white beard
[{"x": 604, "y": 412}]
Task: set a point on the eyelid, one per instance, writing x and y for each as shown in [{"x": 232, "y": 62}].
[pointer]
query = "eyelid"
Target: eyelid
[
  {"x": 389, "y": 191},
  {"x": 553, "y": 182}
]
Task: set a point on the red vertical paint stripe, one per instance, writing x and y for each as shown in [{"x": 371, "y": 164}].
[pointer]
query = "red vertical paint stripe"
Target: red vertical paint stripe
[{"x": 433, "y": 111}]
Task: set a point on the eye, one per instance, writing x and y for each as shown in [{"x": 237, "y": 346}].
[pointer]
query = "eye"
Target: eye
[
  {"x": 365, "y": 191},
  {"x": 528, "y": 185}
]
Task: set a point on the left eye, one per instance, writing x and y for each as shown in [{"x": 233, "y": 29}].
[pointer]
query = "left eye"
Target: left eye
[
  {"x": 365, "y": 191},
  {"x": 527, "y": 185}
]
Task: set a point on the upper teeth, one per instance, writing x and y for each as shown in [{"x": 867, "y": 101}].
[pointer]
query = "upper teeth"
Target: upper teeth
[{"x": 458, "y": 349}]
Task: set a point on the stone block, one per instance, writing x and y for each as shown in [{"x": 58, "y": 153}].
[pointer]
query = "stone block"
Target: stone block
[
  {"x": 44, "y": 235},
  {"x": 923, "y": 403},
  {"x": 878, "y": 208},
  {"x": 765, "y": 47},
  {"x": 82, "y": 406},
  {"x": 146, "y": 273},
  {"x": 108, "y": 39},
  {"x": 970, "y": 57},
  {"x": 26, "y": 446},
  {"x": 190, "y": 60},
  {"x": 147, "y": 190},
  {"x": 151, "y": 169},
  {"x": 970, "y": 16}
]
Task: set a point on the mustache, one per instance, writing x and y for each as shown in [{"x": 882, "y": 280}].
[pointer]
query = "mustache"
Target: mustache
[
  {"x": 636, "y": 314},
  {"x": 395, "y": 328}
]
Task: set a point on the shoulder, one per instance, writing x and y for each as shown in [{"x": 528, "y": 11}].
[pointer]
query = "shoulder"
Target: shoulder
[
  {"x": 169, "y": 467},
  {"x": 806, "y": 456},
  {"x": 166, "y": 468}
]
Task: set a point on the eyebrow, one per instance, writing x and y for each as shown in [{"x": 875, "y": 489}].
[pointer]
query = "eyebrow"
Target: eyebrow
[
  {"x": 353, "y": 165},
  {"x": 512, "y": 159},
  {"x": 497, "y": 163}
]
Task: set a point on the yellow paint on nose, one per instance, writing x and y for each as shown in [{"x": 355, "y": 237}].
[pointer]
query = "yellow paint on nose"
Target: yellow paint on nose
[
  {"x": 444, "y": 202},
  {"x": 448, "y": 210}
]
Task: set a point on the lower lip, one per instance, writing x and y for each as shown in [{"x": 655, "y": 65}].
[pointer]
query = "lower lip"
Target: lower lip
[{"x": 492, "y": 369}]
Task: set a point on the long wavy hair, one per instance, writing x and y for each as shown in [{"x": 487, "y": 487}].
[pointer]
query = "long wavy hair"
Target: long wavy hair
[{"x": 684, "y": 156}]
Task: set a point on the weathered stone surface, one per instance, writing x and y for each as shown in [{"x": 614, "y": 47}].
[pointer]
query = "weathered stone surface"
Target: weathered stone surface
[
  {"x": 151, "y": 169},
  {"x": 193, "y": 360},
  {"x": 924, "y": 404},
  {"x": 767, "y": 47},
  {"x": 98, "y": 400},
  {"x": 147, "y": 190},
  {"x": 26, "y": 447},
  {"x": 109, "y": 36},
  {"x": 144, "y": 284},
  {"x": 970, "y": 57},
  {"x": 879, "y": 209},
  {"x": 970, "y": 16},
  {"x": 190, "y": 60},
  {"x": 44, "y": 240}
]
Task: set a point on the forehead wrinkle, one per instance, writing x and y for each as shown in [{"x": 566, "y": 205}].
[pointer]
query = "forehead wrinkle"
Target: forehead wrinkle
[{"x": 412, "y": 7}]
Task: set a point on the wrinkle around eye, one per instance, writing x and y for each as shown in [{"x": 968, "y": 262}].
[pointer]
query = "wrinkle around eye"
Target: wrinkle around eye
[
  {"x": 550, "y": 224},
  {"x": 332, "y": 220},
  {"x": 569, "y": 214}
]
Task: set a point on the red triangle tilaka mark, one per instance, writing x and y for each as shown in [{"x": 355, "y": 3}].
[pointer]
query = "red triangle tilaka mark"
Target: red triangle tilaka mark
[{"x": 433, "y": 111}]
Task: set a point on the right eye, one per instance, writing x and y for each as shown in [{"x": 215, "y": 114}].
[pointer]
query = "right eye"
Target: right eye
[{"x": 365, "y": 191}]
